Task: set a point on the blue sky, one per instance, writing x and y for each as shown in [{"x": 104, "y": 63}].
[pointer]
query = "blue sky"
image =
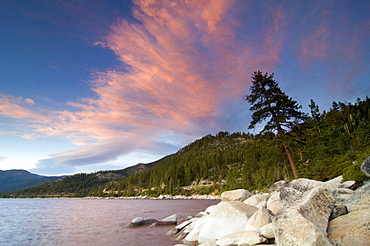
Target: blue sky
[{"x": 101, "y": 85}]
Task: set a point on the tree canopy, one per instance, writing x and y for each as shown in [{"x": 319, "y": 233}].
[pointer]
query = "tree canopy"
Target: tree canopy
[{"x": 269, "y": 102}]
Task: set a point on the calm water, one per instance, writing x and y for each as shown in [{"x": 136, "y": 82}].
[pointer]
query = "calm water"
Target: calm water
[{"x": 89, "y": 221}]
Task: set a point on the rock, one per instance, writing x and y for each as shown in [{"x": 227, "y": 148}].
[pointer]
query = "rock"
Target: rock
[
  {"x": 226, "y": 218},
  {"x": 256, "y": 199},
  {"x": 170, "y": 220},
  {"x": 348, "y": 184},
  {"x": 192, "y": 237},
  {"x": 258, "y": 220},
  {"x": 268, "y": 231},
  {"x": 210, "y": 209},
  {"x": 337, "y": 211},
  {"x": 201, "y": 214},
  {"x": 359, "y": 199},
  {"x": 241, "y": 238},
  {"x": 262, "y": 204},
  {"x": 209, "y": 243},
  {"x": 304, "y": 185},
  {"x": 140, "y": 221},
  {"x": 305, "y": 222},
  {"x": 336, "y": 181},
  {"x": 179, "y": 227},
  {"x": 235, "y": 195},
  {"x": 296, "y": 189},
  {"x": 351, "y": 229},
  {"x": 273, "y": 203},
  {"x": 290, "y": 196},
  {"x": 365, "y": 167},
  {"x": 277, "y": 186},
  {"x": 341, "y": 195}
]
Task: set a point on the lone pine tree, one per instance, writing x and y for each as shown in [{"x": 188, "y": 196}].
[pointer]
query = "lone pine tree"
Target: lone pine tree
[{"x": 269, "y": 103}]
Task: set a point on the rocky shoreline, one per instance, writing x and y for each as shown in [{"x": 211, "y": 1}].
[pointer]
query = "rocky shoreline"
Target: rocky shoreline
[{"x": 302, "y": 212}]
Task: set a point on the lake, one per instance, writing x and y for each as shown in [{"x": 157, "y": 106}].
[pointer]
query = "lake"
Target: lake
[{"x": 58, "y": 221}]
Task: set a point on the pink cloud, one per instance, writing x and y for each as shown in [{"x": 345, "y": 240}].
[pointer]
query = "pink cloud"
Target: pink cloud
[
  {"x": 11, "y": 107},
  {"x": 185, "y": 61}
]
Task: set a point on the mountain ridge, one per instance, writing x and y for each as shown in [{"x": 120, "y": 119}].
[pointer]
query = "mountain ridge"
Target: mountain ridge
[{"x": 17, "y": 179}]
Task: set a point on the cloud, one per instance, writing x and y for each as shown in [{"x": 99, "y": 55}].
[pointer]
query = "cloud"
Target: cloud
[
  {"x": 3, "y": 158},
  {"x": 11, "y": 107},
  {"x": 185, "y": 70},
  {"x": 101, "y": 151}
]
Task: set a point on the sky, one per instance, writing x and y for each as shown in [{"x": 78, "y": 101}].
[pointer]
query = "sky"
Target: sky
[{"x": 88, "y": 85}]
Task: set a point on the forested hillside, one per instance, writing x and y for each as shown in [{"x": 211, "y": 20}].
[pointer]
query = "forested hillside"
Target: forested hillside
[{"x": 325, "y": 145}]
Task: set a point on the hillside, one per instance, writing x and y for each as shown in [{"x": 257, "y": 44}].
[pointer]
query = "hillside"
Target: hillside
[
  {"x": 326, "y": 145},
  {"x": 12, "y": 180},
  {"x": 78, "y": 185}
]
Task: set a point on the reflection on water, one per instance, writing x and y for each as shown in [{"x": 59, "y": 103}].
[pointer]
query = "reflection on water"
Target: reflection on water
[{"x": 89, "y": 221}]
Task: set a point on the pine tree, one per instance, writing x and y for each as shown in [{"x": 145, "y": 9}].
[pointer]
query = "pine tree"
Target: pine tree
[{"x": 269, "y": 103}]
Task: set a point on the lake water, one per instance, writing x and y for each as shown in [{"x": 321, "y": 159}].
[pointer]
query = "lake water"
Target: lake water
[{"x": 70, "y": 222}]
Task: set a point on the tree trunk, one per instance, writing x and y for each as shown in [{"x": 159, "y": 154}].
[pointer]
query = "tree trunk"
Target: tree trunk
[{"x": 291, "y": 161}]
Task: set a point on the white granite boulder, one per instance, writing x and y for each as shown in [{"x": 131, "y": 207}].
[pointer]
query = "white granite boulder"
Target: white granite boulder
[
  {"x": 260, "y": 218},
  {"x": 193, "y": 235},
  {"x": 226, "y": 218},
  {"x": 235, "y": 195},
  {"x": 241, "y": 238},
  {"x": 257, "y": 199},
  {"x": 268, "y": 231},
  {"x": 273, "y": 203}
]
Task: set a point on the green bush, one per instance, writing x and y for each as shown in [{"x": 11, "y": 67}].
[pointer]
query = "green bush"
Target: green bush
[{"x": 353, "y": 172}]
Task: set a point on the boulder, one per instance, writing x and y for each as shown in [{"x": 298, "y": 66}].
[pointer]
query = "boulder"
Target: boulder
[
  {"x": 359, "y": 199},
  {"x": 277, "y": 186},
  {"x": 170, "y": 220},
  {"x": 201, "y": 214},
  {"x": 192, "y": 237},
  {"x": 295, "y": 190},
  {"x": 337, "y": 211},
  {"x": 273, "y": 203},
  {"x": 256, "y": 199},
  {"x": 179, "y": 227},
  {"x": 336, "y": 181},
  {"x": 350, "y": 184},
  {"x": 305, "y": 221},
  {"x": 226, "y": 218},
  {"x": 351, "y": 229},
  {"x": 258, "y": 220},
  {"x": 235, "y": 195},
  {"x": 341, "y": 195},
  {"x": 365, "y": 167},
  {"x": 210, "y": 209},
  {"x": 140, "y": 221},
  {"x": 308, "y": 184},
  {"x": 209, "y": 243},
  {"x": 241, "y": 238},
  {"x": 268, "y": 231}
]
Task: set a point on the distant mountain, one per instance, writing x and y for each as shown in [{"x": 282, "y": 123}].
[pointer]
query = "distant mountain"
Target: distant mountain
[
  {"x": 81, "y": 184},
  {"x": 16, "y": 179}
]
